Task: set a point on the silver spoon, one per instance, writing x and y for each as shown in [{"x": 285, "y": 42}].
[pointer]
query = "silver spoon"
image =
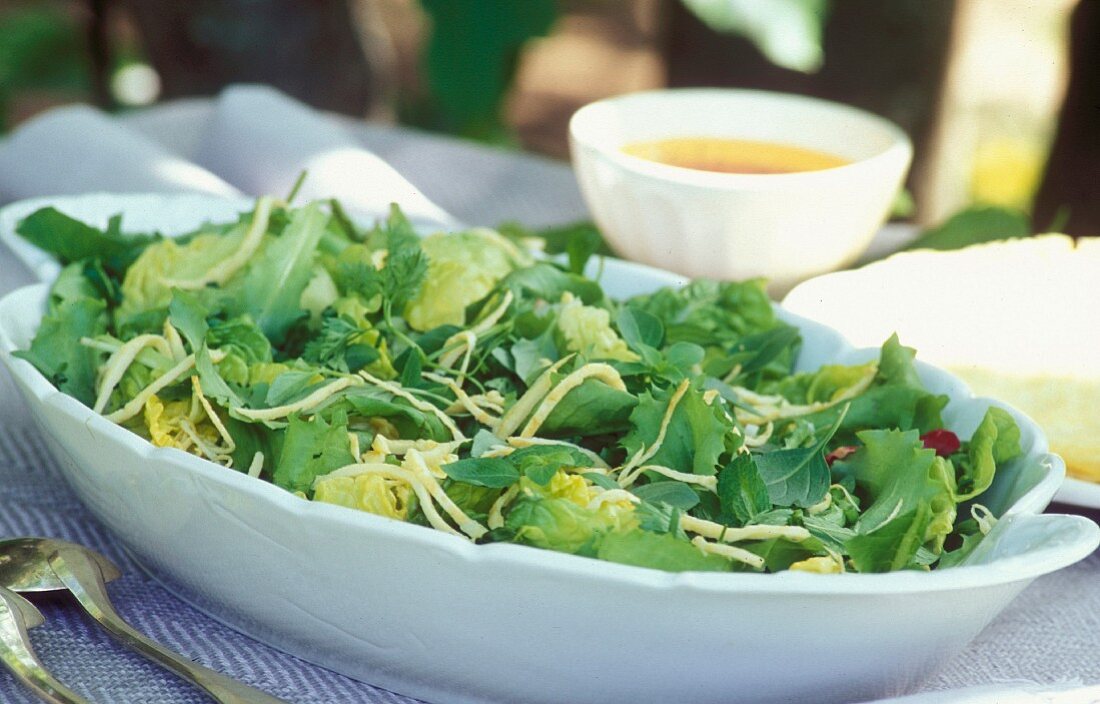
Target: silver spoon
[
  {"x": 16, "y": 616},
  {"x": 38, "y": 565}
]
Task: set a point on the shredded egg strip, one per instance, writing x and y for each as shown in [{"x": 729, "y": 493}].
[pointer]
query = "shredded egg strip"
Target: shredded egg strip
[
  {"x": 257, "y": 465},
  {"x": 175, "y": 342},
  {"x": 134, "y": 405},
  {"x": 117, "y": 364},
  {"x": 527, "y": 402},
  {"x": 760, "y": 437},
  {"x": 225, "y": 269},
  {"x": 416, "y": 403},
  {"x": 464, "y": 343},
  {"x": 490, "y": 320},
  {"x": 627, "y": 475},
  {"x": 777, "y": 407},
  {"x": 732, "y": 552},
  {"x": 212, "y": 452},
  {"x": 596, "y": 370},
  {"x": 212, "y": 415},
  {"x": 462, "y": 401},
  {"x": 521, "y": 442},
  {"x": 496, "y": 512},
  {"x": 467, "y": 525},
  {"x": 726, "y": 534},
  {"x": 611, "y": 495},
  {"x": 398, "y": 447},
  {"x": 312, "y": 400},
  {"x": 710, "y": 483}
]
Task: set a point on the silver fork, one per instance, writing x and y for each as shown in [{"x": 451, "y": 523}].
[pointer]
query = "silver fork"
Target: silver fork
[
  {"x": 16, "y": 616},
  {"x": 40, "y": 565}
]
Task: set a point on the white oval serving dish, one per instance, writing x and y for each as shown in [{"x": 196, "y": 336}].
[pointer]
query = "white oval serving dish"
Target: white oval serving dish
[{"x": 433, "y": 616}]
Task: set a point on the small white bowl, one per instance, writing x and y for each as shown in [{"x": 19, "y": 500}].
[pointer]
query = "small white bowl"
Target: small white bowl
[{"x": 786, "y": 227}]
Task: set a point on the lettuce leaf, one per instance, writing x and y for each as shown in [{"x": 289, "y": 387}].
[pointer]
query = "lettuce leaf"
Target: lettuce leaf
[
  {"x": 896, "y": 397},
  {"x": 893, "y": 545},
  {"x": 56, "y": 350},
  {"x": 658, "y": 551},
  {"x": 899, "y": 477},
  {"x": 311, "y": 448},
  {"x": 269, "y": 290},
  {"x": 696, "y": 436},
  {"x": 996, "y": 441}
]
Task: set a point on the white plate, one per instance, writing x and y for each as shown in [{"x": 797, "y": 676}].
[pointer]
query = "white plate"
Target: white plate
[
  {"x": 950, "y": 306},
  {"x": 427, "y": 614},
  {"x": 1077, "y": 492}
]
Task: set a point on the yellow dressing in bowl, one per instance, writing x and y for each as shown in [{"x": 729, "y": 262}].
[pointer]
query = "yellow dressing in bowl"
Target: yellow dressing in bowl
[{"x": 735, "y": 156}]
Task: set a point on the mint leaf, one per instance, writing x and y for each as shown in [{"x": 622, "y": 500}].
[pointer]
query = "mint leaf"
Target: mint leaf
[
  {"x": 973, "y": 226},
  {"x": 799, "y": 476},
  {"x": 492, "y": 472},
  {"x": 741, "y": 490},
  {"x": 70, "y": 240},
  {"x": 541, "y": 463},
  {"x": 756, "y": 352},
  {"x": 639, "y": 328},
  {"x": 593, "y": 408},
  {"x": 372, "y": 402},
  {"x": 658, "y": 551},
  {"x": 676, "y": 494}
]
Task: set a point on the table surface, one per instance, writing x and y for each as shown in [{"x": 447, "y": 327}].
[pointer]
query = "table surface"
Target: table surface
[{"x": 1050, "y": 635}]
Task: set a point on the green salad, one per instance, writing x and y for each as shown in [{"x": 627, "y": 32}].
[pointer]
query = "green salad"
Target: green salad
[{"x": 465, "y": 383}]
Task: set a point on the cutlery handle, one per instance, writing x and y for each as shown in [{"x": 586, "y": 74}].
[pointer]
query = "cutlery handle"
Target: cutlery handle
[
  {"x": 18, "y": 656},
  {"x": 82, "y": 576}
]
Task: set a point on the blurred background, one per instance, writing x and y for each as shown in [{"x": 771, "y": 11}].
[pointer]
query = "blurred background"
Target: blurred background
[{"x": 999, "y": 96}]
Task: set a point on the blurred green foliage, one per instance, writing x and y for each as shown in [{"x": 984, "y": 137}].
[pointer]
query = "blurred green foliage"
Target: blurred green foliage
[
  {"x": 41, "y": 48},
  {"x": 470, "y": 61},
  {"x": 975, "y": 225},
  {"x": 474, "y": 46}
]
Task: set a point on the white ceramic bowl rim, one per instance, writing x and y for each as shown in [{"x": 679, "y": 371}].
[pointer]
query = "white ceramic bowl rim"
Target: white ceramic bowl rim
[{"x": 586, "y": 132}]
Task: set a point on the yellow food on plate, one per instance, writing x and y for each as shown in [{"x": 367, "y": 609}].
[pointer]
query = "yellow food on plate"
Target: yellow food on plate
[
  {"x": 1017, "y": 320},
  {"x": 1064, "y": 406}
]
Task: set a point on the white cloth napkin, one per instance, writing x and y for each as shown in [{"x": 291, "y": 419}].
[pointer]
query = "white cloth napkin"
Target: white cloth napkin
[
  {"x": 78, "y": 149},
  {"x": 260, "y": 140},
  {"x": 257, "y": 140}
]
